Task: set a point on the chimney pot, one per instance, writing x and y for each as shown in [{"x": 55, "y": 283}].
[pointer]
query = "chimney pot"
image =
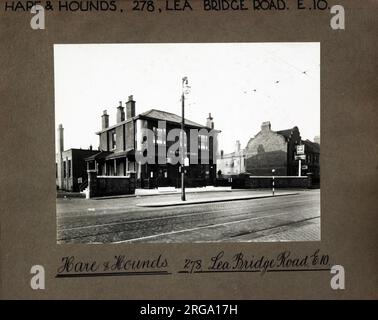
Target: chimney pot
[
  {"x": 105, "y": 120},
  {"x": 237, "y": 146},
  {"x": 265, "y": 126},
  {"x": 130, "y": 108},
  {"x": 210, "y": 122},
  {"x": 120, "y": 113},
  {"x": 60, "y": 138}
]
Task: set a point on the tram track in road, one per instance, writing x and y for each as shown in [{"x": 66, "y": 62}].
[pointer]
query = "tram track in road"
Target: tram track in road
[
  {"x": 114, "y": 218},
  {"x": 181, "y": 225},
  {"x": 220, "y": 225},
  {"x": 113, "y": 210}
]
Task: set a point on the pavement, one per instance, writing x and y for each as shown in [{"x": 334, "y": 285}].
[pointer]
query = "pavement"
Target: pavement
[
  {"x": 63, "y": 194},
  {"x": 250, "y": 216},
  {"x": 145, "y": 192},
  {"x": 178, "y": 202},
  {"x": 172, "y": 190}
]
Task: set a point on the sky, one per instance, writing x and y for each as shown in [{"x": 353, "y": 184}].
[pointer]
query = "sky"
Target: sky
[{"x": 240, "y": 84}]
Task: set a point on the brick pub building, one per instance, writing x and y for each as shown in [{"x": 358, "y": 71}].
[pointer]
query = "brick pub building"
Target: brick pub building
[{"x": 120, "y": 142}]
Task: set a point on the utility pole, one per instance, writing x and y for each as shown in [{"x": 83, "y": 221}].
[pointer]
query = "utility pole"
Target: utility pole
[
  {"x": 273, "y": 171},
  {"x": 184, "y": 83},
  {"x": 300, "y": 168}
]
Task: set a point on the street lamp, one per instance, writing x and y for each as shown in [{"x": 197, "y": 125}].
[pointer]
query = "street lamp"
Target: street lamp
[
  {"x": 273, "y": 171},
  {"x": 185, "y": 90}
]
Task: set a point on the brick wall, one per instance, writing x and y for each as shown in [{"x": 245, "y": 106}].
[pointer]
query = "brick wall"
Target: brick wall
[
  {"x": 256, "y": 182},
  {"x": 120, "y": 139},
  {"x": 104, "y": 141},
  {"x": 267, "y": 150},
  {"x": 100, "y": 186},
  {"x": 263, "y": 163},
  {"x": 129, "y": 132},
  {"x": 124, "y": 137},
  {"x": 253, "y": 182}
]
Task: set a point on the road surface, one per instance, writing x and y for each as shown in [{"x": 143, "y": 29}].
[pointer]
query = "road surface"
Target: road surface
[{"x": 286, "y": 218}]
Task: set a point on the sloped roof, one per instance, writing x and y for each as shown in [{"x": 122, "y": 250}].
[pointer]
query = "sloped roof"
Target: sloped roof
[
  {"x": 167, "y": 116},
  {"x": 287, "y": 132},
  {"x": 98, "y": 156},
  {"x": 311, "y": 146},
  {"x": 122, "y": 154},
  {"x": 157, "y": 115}
]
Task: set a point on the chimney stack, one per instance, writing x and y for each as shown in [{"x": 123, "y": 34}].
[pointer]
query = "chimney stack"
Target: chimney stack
[
  {"x": 130, "y": 108},
  {"x": 317, "y": 139},
  {"x": 60, "y": 138},
  {"x": 120, "y": 113},
  {"x": 265, "y": 126},
  {"x": 210, "y": 122},
  {"x": 105, "y": 120},
  {"x": 237, "y": 146}
]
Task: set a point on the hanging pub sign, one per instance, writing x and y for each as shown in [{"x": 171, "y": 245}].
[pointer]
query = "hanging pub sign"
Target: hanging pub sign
[{"x": 300, "y": 149}]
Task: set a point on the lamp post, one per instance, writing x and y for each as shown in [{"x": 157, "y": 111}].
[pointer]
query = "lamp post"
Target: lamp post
[
  {"x": 273, "y": 171},
  {"x": 183, "y": 151}
]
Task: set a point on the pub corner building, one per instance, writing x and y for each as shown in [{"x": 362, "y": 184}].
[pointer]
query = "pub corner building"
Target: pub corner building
[{"x": 114, "y": 169}]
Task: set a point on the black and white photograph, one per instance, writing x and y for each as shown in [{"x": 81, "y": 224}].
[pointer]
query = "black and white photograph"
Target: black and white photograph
[{"x": 187, "y": 142}]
